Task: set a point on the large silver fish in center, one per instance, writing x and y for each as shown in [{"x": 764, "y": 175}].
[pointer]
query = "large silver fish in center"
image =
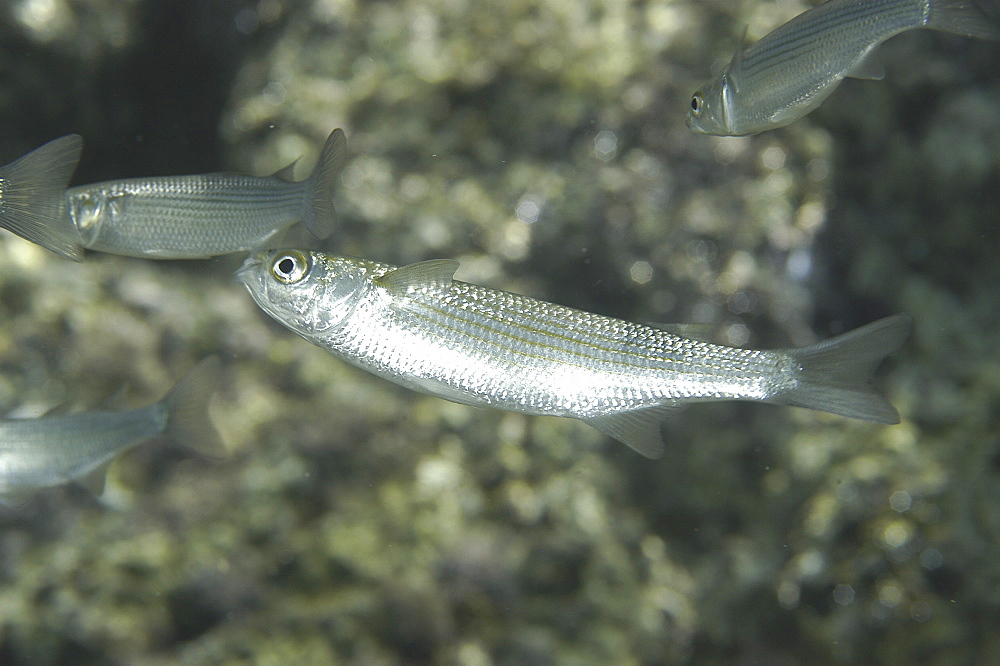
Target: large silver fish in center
[
  {"x": 166, "y": 217},
  {"x": 420, "y": 328},
  {"x": 790, "y": 71}
]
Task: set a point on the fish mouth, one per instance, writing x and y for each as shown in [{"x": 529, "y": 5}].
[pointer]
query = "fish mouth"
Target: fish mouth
[{"x": 243, "y": 273}]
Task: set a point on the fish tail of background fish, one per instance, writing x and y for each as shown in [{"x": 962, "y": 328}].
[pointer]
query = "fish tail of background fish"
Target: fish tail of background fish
[
  {"x": 33, "y": 196},
  {"x": 965, "y": 17},
  {"x": 188, "y": 422},
  {"x": 836, "y": 373},
  {"x": 319, "y": 216}
]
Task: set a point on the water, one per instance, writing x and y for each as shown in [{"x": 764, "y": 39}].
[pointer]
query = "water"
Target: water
[{"x": 543, "y": 145}]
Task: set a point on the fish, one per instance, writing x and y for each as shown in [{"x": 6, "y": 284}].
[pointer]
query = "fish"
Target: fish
[
  {"x": 167, "y": 217},
  {"x": 418, "y": 327},
  {"x": 49, "y": 451},
  {"x": 789, "y": 72}
]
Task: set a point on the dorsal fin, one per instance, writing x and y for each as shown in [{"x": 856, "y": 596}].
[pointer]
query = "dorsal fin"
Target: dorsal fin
[
  {"x": 320, "y": 216},
  {"x": 287, "y": 172},
  {"x": 736, "y": 64},
  {"x": 435, "y": 274}
]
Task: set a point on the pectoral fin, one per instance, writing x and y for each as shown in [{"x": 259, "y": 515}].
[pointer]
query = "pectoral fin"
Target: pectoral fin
[{"x": 441, "y": 390}]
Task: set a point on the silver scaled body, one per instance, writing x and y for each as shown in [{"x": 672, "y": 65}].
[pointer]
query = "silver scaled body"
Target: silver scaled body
[
  {"x": 420, "y": 328},
  {"x": 178, "y": 217},
  {"x": 167, "y": 217}
]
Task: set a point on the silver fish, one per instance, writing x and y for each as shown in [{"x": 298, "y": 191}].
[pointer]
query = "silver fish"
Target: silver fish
[
  {"x": 169, "y": 217},
  {"x": 420, "y": 328},
  {"x": 53, "y": 450},
  {"x": 790, "y": 71}
]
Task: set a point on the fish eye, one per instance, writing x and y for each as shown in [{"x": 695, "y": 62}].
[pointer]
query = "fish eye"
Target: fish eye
[
  {"x": 697, "y": 103},
  {"x": 290, "y": 267}
]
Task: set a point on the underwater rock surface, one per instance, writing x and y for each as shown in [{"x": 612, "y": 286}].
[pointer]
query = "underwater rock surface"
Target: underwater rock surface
[{"x": 543, "y": 145}]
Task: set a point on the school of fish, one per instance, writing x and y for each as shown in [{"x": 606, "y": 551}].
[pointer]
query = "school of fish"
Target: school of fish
[{"x": 419, "y": 327}]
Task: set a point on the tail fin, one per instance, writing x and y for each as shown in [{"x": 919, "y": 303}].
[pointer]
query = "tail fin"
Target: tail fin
[
  {"x": 962, "y": 17},
  {"x": 33, "y": 199},
  {"x": 320, "y": 217},
  {"x": 836, "y": 373},
  {"x": 188, "y": 422}
]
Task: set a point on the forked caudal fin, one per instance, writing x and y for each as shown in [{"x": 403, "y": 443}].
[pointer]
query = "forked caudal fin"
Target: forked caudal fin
[
  {"x": 33, "y": 196},
  {"x": 320, "y": 217},
  {"x": 834, "y": 376},
  {"x": 836, "y": 373},
  {"x": 188, "y": 422},
  {"x": 964, "y": 17}
]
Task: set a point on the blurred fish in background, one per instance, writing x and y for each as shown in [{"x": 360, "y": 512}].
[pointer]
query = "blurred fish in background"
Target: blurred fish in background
[
  {"x": 52, "y": 450},
  {"x": 166, "y": 217},
  {"x": 792, "y": 70}
]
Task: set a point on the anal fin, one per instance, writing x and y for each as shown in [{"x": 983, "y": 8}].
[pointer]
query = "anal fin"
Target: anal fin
[
  {"x": 868, "y": 66},
  {"x": 640, "y": 429},
  {"x": 94, "y": 479}
]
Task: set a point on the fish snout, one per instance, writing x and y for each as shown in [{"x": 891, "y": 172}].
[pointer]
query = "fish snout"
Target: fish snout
[{"x": 245, "y": 272}]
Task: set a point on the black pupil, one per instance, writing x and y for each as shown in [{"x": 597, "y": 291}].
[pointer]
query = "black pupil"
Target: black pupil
[
  {"x": 285, "y": 266},
  {"x": 694, "y": 103}
]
